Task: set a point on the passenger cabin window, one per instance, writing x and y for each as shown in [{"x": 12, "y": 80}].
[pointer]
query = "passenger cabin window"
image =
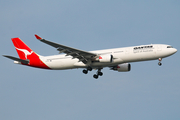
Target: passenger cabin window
[{"x": 169, "y": 47}]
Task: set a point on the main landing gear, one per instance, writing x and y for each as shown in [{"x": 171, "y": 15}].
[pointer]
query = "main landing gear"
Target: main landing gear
[
  {"x": 86, "y": 70},
  {"x": 159, "y": 63},
  {"x": 99, "y": 73}
]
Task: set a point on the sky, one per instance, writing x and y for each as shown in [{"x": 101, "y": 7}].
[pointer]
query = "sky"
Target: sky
[{"x": 147, "y": 92}]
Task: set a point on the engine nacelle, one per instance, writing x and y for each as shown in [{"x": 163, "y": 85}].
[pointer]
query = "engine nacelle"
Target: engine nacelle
[
  {"x": 125, "y": 67},
  {"x": 105, "y": 58}
]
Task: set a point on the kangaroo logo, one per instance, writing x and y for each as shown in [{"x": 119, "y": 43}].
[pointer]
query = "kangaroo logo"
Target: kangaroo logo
[{"x": 25, "y": 52}]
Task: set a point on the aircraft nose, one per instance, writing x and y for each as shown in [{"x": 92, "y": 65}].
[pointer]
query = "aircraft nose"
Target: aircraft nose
[
  {"x": 172, "y": 51},
  {"x": 175, "y": 50}
]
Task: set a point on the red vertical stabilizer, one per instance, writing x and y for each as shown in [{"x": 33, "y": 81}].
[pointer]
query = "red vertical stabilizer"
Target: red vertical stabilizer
[{"x": 25, "y": 53}]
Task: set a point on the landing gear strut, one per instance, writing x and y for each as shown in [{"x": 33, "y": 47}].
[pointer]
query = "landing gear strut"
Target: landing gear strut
[{"x": 159, "y": 63}]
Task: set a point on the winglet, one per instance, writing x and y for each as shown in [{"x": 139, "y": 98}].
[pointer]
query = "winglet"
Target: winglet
[{"x": 37, "y": 37}]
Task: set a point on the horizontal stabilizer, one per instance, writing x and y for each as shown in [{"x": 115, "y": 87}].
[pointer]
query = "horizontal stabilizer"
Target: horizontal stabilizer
[{"x": 17, "y": 59}]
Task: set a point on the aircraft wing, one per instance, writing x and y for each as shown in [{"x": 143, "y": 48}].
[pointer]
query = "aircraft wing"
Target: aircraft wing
[{"x": 75, "y": 53}]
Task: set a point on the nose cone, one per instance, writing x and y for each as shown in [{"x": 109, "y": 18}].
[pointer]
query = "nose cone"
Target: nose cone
[{"x": 174, "y": 50}]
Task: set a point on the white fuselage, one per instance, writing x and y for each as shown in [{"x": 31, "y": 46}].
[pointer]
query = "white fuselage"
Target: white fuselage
[{"x": 120, "y": 55}]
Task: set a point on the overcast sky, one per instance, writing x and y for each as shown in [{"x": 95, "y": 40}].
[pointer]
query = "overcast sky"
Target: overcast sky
[{"x": 147, "y": 92}]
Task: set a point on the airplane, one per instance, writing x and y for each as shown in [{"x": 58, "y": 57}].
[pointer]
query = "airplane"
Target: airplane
[{"x": 117, "y": 59}]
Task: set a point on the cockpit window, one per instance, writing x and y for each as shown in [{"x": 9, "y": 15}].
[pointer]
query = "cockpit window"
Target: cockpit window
[{"x": 169, "y": 47}]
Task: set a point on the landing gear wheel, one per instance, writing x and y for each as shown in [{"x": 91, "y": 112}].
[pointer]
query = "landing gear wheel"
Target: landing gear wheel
[
  {"x": 95, "y": 76},
  {"x": 159, "y": 63},
  {"x": 89, "y": 68},
  {"x": 85, "y": 71},
  {"x": 100, "y": 73}
]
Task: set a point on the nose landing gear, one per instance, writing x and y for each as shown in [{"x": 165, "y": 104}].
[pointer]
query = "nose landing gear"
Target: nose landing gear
[{"x": 159, "y": 63}]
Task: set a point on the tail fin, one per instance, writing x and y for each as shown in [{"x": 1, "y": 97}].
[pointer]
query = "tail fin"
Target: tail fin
[
  {"x": 27, "y": 55},
  {"x": 22, "y": 49}
]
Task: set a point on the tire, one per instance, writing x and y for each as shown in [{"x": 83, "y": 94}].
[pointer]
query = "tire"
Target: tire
[
  {"x": 100, "y": 73},
  {"x": 89, "y": 68},
  {"x": 85, "y": 71},
  {"x": 95, "y": 76},
  {"x": 159, "y": 63}
]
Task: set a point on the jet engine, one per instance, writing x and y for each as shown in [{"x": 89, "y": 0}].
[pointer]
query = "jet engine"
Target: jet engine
[
  {"x": 105, "y": 58},
  {"x": 125, "y": 67}
]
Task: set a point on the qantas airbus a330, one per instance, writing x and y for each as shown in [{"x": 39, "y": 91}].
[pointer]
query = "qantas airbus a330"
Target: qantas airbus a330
[{"x": 117, "y": 59}]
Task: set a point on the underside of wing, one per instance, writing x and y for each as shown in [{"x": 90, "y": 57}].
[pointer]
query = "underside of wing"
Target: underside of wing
[{"x": 75, "y": 53}]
